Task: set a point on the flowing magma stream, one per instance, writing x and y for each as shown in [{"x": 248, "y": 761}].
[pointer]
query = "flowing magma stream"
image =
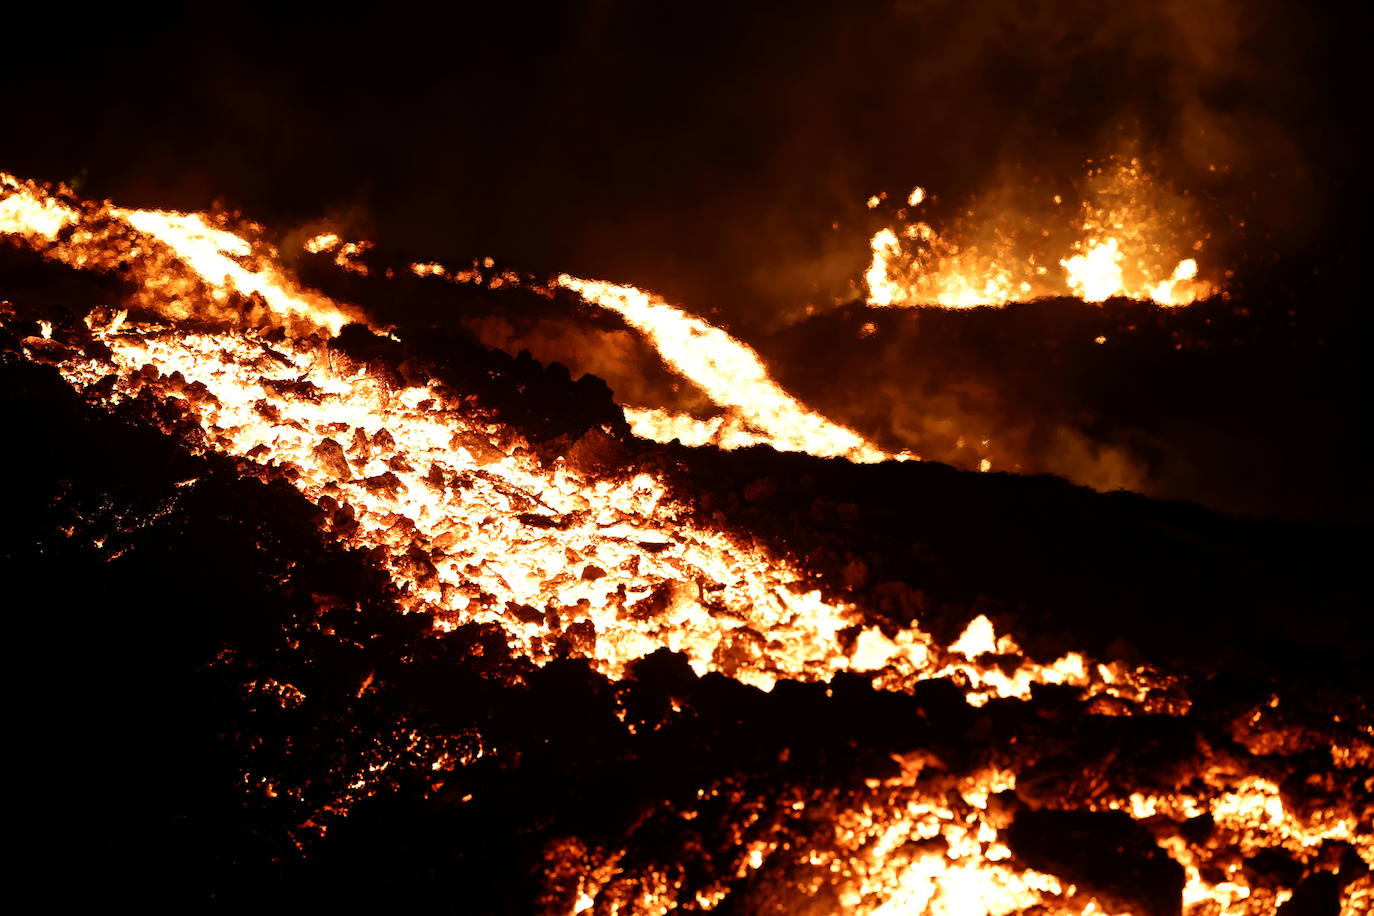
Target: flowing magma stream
[{"x": 610, "y": 562}]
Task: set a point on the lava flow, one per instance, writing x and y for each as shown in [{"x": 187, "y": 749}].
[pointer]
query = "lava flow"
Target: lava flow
[
  {"x": 731, "y": 374},
  {"x": 594, "y": 551},
  {"x": 756, "y": 409},
  {"x": 410, "y": 470}
]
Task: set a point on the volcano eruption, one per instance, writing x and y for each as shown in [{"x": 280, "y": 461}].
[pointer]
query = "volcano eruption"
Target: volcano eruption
[{"x": 1010, "y": 562}]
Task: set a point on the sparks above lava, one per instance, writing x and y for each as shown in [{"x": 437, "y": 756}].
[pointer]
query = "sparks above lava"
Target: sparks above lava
[{"x": 1123, "y": 242}]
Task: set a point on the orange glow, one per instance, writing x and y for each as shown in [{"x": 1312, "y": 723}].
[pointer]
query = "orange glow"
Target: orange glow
[
  {"x": 608, "y": 560},
  {"x": 28, "y": 212},
  {"x": 725, "y": 431},
  {"x": 187, "y": 264},
  {"x": 1123, "y": 244},
  {"x": 326, "y": 241},
  {"x": 1095, "y": 275},
  {"x": 348, "y": 255},
  {"x": 501, "y": 527},
  {"x": 214, "y": 254},
  {"x": 428, "y": 269},
  {"x": 729, "y": 371},
  {"x": 503, "y": 531}
]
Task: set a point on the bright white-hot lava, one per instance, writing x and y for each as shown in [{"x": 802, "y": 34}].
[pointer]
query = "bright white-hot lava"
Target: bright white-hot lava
[
  {"x": 215, "y": 253},
  {"x": 28, "y": 212},
  {"x": 476, "y": 528},
  {"x": 729, "y": 371},
  {"x": 726, "y": 431},
  {"x": 187, "y": 265}
]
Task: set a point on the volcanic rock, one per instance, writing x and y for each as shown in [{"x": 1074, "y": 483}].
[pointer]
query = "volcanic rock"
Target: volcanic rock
[{"x": 1106, "y": 853}]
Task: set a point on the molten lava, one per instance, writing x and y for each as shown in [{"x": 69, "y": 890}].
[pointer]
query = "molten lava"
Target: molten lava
[
  {"x": 731, "y": 374},
  {"x": 598, "y": 553}
]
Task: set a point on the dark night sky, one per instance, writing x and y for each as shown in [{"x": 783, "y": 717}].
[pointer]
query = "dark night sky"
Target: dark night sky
[{"x": 702, "y": 151}]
